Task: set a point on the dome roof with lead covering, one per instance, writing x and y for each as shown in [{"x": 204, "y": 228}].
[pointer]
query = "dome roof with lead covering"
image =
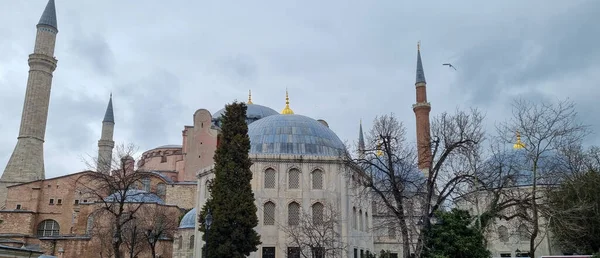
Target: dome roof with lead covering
[
  {"x": 293, "y": 135},
  {"x": 189, "y": 219},
  {"x": 254, "y": 111}
]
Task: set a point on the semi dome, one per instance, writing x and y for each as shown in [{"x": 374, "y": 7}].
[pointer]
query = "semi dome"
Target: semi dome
[
  {"x": 135, "y": 196},
  {"x": 294, "y": 135},
  {"x": 254, "y": 111},
  {"x": 189, "y": 219}
]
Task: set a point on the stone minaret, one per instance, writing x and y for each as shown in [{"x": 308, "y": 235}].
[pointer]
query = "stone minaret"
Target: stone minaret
[
  {"x": 361, "y": 142},
  {"x": 106, "y": 143},
  {"x": 422, "y": 109},
  {"x": 27, "y": 160}
]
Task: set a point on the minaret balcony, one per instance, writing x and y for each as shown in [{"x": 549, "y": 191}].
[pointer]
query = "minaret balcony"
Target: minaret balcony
[{"x": 421, "y": 104}]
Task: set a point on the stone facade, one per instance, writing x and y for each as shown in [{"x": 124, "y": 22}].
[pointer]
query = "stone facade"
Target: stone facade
[
  {"x": 335, "y": 190},
  {"x": 182, "y": 195}
]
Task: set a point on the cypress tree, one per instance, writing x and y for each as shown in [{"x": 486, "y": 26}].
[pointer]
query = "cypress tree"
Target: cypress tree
[{"x": 231, "y": 204}]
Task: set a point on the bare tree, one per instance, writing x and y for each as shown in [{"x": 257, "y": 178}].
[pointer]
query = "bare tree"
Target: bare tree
[
  {"x": 387, "y": 167},
  {"x": 317, "y": 235},
  {"x": 114, "y": 192},
  {"x": 546, "y": 130},
  {"x": 160, "y": 223}
]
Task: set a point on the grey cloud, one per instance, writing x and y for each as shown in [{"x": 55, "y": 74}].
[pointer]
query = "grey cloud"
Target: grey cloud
[
  {"x": 563, "y": 46},
  {"x": 94, "y": 51},
  {"x": 341, "y": 61}
]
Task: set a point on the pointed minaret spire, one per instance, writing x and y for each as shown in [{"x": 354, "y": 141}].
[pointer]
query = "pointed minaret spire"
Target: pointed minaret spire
[
  {"x": 49, "y": 16},
  {"x": 420, "y": 72},
  {"x": 106, "y": 143},
  {"x": 249, "y": 97},
  {"x": 422, "y": 109},
  {"x": 26, "y": 163},
  {"x": 361, "y": 141},
  {"x": 287, "y": 110},
  {"x": 109, "y": 115}
]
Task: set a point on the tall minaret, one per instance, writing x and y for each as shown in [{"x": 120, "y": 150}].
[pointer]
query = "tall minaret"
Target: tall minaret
[
  {"x": 106, "y": 143},
  {"x": 361, "y": 142},
  {"x": 27, "y": 160},
  {"x": 422, "y": 109}
]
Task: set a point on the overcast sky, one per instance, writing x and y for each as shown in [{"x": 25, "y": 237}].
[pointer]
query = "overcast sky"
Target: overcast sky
[{"x": 341, "y": 61}]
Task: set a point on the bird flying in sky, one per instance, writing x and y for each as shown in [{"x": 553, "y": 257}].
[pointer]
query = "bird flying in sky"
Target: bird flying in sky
[{"x": 450, "y": 65}]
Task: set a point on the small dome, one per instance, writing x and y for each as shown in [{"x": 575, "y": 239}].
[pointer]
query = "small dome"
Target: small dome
[
  {"x": 253, "y": 112},
  {"x": 293, "y": 134},
  {"x": 189, "y": 219},
  {"x": 135, "y": 196}
]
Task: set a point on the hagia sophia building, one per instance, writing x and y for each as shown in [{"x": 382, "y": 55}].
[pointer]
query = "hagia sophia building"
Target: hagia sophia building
[{"x": 297, "y": 169}]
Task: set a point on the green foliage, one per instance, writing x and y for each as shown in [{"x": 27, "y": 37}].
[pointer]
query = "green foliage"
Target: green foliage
[
  {"x": 575, "y": 208},
  {"x": 232, "y": 205},
  {"x": 452, "y": 237},
  {"x": 596, "y": 255}
]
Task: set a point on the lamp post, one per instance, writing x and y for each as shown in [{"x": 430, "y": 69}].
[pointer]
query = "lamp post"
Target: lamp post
[{"x": 207, "y": 222}]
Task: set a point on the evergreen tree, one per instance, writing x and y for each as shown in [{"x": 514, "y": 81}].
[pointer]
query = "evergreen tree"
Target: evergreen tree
[
  {"x": 452, "y": 237},
  {"x": 231, "y": 204}
]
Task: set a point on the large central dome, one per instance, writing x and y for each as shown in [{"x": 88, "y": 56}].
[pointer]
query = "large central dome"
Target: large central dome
[{"x": 293, "y": 135}]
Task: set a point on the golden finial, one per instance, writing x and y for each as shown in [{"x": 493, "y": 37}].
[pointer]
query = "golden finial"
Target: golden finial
[
  {"x": 250, "y": 97},
  {"x": 519, "y": 144},
  {"x": 379, "y": 151},
  {"x": 419, "y": 45},
  {"x": 287, "y": 110}
]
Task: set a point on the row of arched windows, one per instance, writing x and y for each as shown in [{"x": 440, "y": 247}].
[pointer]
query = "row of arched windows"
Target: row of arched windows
[
  {"x": 360, "y": 220},
  {"x": 522, "y": 233},
  {"x": 294, "y": 213},
  {"x": 294, "y": 179}
]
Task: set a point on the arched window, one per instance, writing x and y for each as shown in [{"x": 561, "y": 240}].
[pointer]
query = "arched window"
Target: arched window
[
  {"x": 161, "y": 189},
  {"x": 391, "y": 231},
  {"x": 503, "y": 234},
  {"x": 90, "y": 224},
  {"x": 523, "y": 233},
  {"x": 269, "y": 213},
  {"x": 270, "y": 178},
  {"x": 360, "y": 220},
  {"x": 293, "y": 214},
  {"x": 146, "y": 184},
  {"x": 207, "y": 189},
  {"x": 317, "y": 179},
  {"x": 48, "y": 227},
  {"x": 317, "y": 213},
  {"x": 353, "y": 217},
  {"x": 179, "y": 242},
  {"x": 294, "y": 179},
  {"x": 191, "y": 242},
  {"x": 366, "y": 221}
]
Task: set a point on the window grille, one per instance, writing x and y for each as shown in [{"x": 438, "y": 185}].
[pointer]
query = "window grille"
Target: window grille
[
  {"x": 270, "y": 178},
  {"x": 523, "y": 233},
  {"x": 317, "y": 179},
  {"x": 48, "y": 228},
  {"x": 294, "y": 214},
  {"x": 294, "y": 179},
  {"x": 269, "y": 213},
  {"x": 503, "y": 234},
  {"x": 391, "y": 232},
  {"x": 317, "y": 213}
]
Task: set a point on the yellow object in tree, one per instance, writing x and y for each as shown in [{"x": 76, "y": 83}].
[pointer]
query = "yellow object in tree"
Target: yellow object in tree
[{"x": 519, "y": 144}]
